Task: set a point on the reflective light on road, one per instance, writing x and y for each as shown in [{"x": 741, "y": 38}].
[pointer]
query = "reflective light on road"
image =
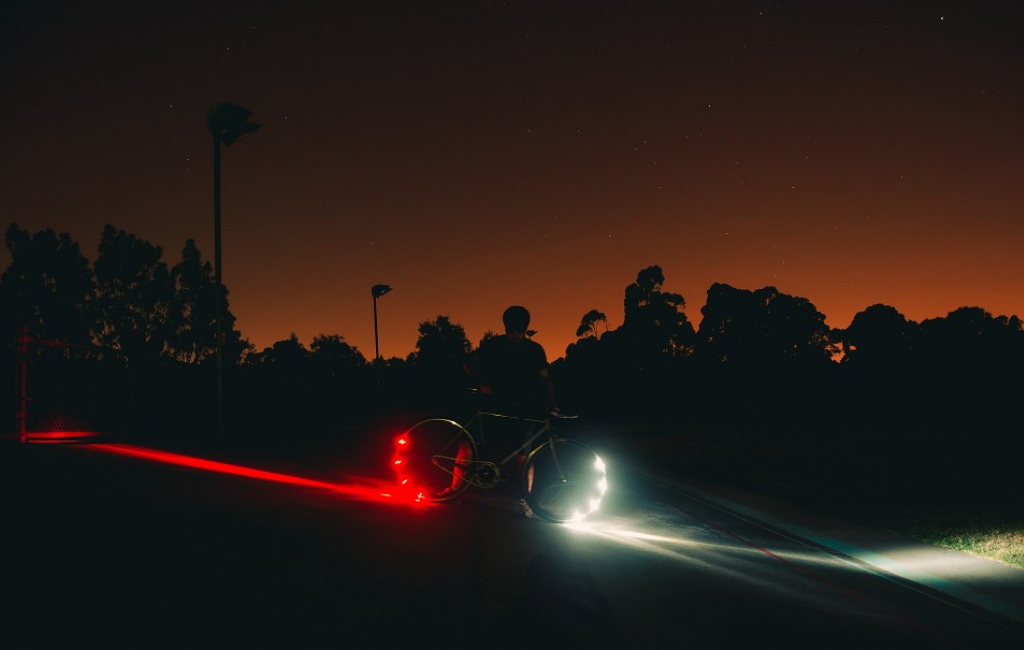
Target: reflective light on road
[
  {"x": 681, "y": 547},
  {"x": 648, "y": 537},
  {"x": 680, "y": 543},
  {"x": 600, "y": 529}
]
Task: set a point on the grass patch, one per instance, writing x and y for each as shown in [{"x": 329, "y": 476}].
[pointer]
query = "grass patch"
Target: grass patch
[
  {"x": 996, "y": 536},
  {"x": 1004, "y": 545}
]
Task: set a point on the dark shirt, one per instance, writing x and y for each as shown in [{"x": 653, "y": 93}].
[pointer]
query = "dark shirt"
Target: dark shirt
[{"x": 512, "y": 371}]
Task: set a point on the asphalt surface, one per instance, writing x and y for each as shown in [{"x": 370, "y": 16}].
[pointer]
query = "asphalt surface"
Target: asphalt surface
[
  {"x": 985, "y": 587},
  {"x": 86, "y": 558}
]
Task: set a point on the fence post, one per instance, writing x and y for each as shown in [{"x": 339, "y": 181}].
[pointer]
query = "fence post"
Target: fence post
[{"x": 22, "y": 389}]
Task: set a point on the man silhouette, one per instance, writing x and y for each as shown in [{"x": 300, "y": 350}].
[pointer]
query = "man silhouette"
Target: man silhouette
[{"x": 512, "y": 370}]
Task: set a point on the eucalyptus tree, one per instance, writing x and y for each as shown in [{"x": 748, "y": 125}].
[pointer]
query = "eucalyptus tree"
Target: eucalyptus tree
[
  {"x": 654, "y": 323},
  {"x": 588, "y": 324}
]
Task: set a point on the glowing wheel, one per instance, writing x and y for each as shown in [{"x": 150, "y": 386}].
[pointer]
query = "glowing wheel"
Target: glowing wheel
[
  {"x": 432, "y": 458},
  {"x": 564, "y": 480}
]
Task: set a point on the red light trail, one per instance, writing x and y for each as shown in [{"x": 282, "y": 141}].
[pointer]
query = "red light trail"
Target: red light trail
[{"x": 364, "y": 488}]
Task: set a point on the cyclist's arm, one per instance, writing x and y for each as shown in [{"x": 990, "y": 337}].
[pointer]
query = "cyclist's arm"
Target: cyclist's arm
[
  {"x": 550, "y": 390},
  {"x": 467, "y": 367}
]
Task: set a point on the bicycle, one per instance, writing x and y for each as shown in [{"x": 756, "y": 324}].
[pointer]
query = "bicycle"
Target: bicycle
[{"x": 561, "y": 479}]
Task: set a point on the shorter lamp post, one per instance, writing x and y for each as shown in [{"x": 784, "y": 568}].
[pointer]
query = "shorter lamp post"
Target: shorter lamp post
[{"x": 378, "y": 290}]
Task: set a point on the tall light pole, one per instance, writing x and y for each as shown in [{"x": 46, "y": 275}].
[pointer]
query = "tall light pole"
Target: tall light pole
[
  {"x": 228, "y": 123},
  {"x": 377, "y": 290}
]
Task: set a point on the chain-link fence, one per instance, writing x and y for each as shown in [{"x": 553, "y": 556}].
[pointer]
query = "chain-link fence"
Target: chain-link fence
[{"x": 64, "y": 391}]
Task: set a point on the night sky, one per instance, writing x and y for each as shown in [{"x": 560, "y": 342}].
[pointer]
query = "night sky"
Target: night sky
[{"x": 478, "y": 154}]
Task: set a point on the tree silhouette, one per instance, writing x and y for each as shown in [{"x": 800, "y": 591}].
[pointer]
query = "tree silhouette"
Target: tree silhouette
[
  {"x": 133, "y": 294},
  {"x": 879, "y": 335},
  {"x": 967, "y": 337},
  {"x": 761, "y": 327},
  {"x": 339, "y": 377},
  {"x": 969, "y": 368},
  {"x": 332, "y": 353},
  {"x": 287, "y": 353},
  {"x": 588, "y": 324},
  {"x": 654, "y": 325},
  {"x": 938, "y": 384},
  {"x": 639, "y": 362},
  {"x": 48, "y": 287},
  {"x": 191, "y": 319},
  {"x": 764, "y": 357},
  {"x": 441, "y": 342},
  {"x": 442, "y": 347},
  {"x": 488, "y": 334}
]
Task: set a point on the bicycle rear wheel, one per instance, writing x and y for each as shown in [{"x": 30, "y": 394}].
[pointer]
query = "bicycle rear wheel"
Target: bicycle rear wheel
[
  {"x": 432, "y": 459},
  {"x": 564, "y": 480}
]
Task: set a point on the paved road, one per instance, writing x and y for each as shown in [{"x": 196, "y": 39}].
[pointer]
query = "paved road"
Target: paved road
[{"x": 108, "y": 545}]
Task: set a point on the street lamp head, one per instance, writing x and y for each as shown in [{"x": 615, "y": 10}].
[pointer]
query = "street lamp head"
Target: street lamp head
[
  {"x": 230, "y": 123},
  {"x": 379, "y": 290}
]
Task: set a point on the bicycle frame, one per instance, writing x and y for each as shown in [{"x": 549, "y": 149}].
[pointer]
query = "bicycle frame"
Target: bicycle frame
[
  {"x": 474, "y": 468},
  {"x": 545, "y": 428}
]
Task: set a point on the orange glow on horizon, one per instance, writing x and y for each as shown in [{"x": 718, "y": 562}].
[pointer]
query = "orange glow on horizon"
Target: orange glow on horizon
[{"x": 553, "y": 178}]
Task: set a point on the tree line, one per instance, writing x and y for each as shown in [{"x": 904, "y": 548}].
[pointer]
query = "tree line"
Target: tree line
[{"x": 141, "y": 332}]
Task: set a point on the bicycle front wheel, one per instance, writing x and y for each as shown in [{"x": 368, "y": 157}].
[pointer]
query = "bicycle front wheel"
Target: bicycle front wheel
[
  {"x": 564, "y": 480},
  {"x": 433, "y": 459}
]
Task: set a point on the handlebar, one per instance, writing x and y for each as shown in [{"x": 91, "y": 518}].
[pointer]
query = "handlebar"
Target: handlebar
[
  {"x": 558, "y": 415},
  {"x": 552, "y": 413}
]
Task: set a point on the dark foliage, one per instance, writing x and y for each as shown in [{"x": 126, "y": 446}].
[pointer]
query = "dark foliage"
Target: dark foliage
[{"x": 927, "y": 401}]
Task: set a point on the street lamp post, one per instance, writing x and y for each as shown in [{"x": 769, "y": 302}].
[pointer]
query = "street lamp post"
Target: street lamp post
[
  {"x": 377, "y": 290},
  {"x": 228, "y": 123}
]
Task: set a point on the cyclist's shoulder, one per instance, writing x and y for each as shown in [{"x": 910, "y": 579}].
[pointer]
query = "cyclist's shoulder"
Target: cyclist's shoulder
[
  {"x": 537, "y": 351},
  {"x": 530, "y": 343}
]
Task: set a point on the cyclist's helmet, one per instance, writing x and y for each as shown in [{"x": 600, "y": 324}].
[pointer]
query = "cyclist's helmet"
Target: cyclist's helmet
[{"x": 516, "y": 319}]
